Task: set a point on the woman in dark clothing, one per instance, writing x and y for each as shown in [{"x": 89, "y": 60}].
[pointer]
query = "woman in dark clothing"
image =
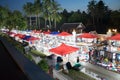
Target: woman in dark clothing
[{"x": 78, "y": 60}]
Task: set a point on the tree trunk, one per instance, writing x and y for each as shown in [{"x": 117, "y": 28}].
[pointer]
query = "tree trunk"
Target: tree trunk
[
  {"x": 55, "y": 24},
  {"x": 39, "y": 23},
  {"x": 36, "y": 21},
  {"x": 49, "y": 23},
  {"x": 30, "y": 21},
  {"x": 93, "y": 20},
  {"x": 45, "y": 23}
]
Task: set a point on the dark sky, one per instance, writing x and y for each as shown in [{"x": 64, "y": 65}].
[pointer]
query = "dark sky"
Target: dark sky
[{"x": 65, "y": 4}]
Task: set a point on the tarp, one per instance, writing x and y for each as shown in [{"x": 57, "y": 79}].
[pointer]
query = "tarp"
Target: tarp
[
  {"x": 54, "y": 33},
  {"x": 64, "y": 34},
  {"x": 115, "y": 37},
  {"x": 63, "y": 49},
  {"x": 87, "y": 35},
  {"x": 26, "y": 37},
  {"x": 32, "y": 39}
]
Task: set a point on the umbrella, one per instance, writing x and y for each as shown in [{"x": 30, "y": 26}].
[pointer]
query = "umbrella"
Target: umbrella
[
  {"x": 87, "y": 35},
  {"x": 64, "y": 49}
]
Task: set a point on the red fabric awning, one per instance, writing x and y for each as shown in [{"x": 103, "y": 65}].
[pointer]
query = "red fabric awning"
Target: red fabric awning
[
  {"x": 63, "y": 49},
  {"x": 87, "y": 35},
  {"x": 19, "y": 35},
  {"x": 116, "y": 37},
  {"x": 64, "y": 34}
]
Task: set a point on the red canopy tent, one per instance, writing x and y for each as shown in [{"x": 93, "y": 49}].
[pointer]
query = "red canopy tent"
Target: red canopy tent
[
  {"x": 11, "y": 34},
  {"x": 116, "y": 37},
  {"x": 64, "y": 34},
  {"x": 87, "y": 35},
  {"x": 63, "y": 49},
  {"x": 19, "y": 35},
  {"x": 46, "y": 32}
]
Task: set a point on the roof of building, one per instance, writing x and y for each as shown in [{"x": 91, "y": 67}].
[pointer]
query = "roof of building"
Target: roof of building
[{"x": 73, "y": 25}]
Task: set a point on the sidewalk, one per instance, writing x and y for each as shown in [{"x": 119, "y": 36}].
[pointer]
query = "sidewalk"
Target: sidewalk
[{"x": 109, "y": 75}]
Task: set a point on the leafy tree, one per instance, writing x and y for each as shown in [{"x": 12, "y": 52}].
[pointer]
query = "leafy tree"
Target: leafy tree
[
  {"x": 28, "y": 8},
  {"x": 55, "y": 15},
  {"x": 65, "y": 15},
  {"x": 84, "y": 17},
  {"x": 47, "y": 11},
  {"x": 50, "y": 12},
  {"x": 3, "y": 15},
  {"x": 115, "y": 19},
  {"x": 100, "y": 11},
  {"x": 92, "y": 10},
  {"x": 11, "y": 19},
  {"x": 19, "y": 20},
  {"x": 37, "y": 6},
  {"x": 15, "y": 20},
  {"x": 75, "y": 17}
]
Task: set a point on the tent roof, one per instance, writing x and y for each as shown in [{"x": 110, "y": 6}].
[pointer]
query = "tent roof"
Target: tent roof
[
  {"x": 115, "y": 37},
  {"x": 63, "y": 49},
  {"x": 19, "y": 35},
  {"x": 87, "y": 35},
  {"x": 64, "y": 34}
]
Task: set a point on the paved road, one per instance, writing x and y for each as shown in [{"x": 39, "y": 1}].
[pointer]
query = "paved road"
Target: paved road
[
  {"x": 8, "y": 69},
  {"x": 109, "y": 75}
]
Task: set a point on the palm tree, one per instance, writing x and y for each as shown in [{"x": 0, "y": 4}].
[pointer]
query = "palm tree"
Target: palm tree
[
  {"x": 37, "y": 11},
  {"x": 50, "y": 9},
  {"x": 47, "y": 11},
  {"x": 28, "y": 8},
  {"x": 55, "y": 15}
]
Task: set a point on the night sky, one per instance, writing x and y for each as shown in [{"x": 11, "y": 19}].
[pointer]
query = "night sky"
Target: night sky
[{"x": 65, "y": 4}]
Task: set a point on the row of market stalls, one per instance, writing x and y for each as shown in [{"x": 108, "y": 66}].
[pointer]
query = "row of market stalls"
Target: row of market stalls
[
  {"x": 69, "y": 46},
  {"x": 44, "y": 41}
]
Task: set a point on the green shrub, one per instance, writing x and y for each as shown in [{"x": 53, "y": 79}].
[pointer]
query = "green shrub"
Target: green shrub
[
  {"x": 35, "y": 52},
  {"x": 76, "y": 75},
  {"x": 43, "y": 65},
  {"x": 29, "y": 56},
  {"x": 13, "y": 42}
]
